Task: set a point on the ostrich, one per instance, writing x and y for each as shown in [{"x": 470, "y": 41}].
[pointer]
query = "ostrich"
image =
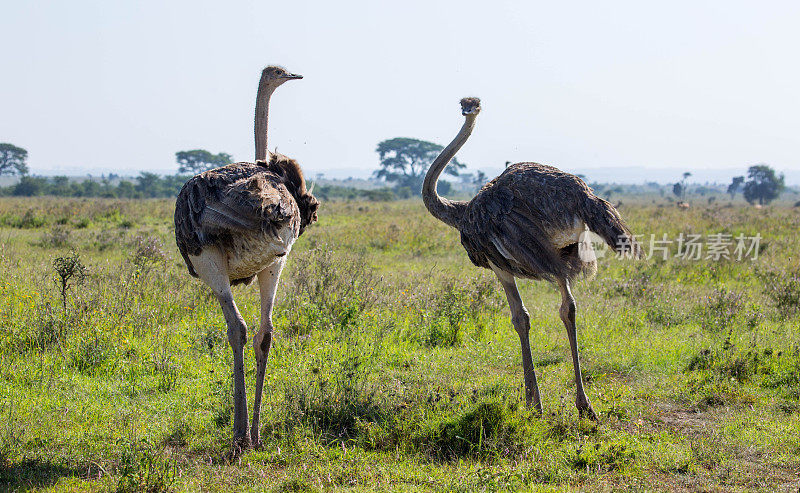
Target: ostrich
[
  {"x": 236, "y": 223},
  {"x": 530, "y": 222}
]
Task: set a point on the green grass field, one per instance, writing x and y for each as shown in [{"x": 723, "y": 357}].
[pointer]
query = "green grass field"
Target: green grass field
[{"x": 394, "y": 364}]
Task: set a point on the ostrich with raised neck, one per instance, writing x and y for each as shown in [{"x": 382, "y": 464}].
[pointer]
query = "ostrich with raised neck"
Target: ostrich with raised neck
[
  {"x": 236, "y": 223},
  {"x": 530, "y": 222}
]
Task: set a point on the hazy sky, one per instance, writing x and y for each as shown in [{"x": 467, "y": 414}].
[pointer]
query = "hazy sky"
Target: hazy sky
[{"x": 120, "y": 86}]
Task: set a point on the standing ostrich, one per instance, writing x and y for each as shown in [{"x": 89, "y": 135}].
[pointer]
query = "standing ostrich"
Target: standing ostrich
[
  {"x": 530, "y": 222},
  {"x": 238, "y": 222}
]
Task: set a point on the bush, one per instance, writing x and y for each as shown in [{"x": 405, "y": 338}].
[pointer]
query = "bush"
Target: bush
[
  {"x": 608, "y": 456},
  {"x": 636, "y": 288},
  {"x": 485, "y": 429},
  {"x": 144, "y": 467},
  {"x": 335, "y": 407},
  {"x": 30, "y": 220},
  {"x": 328, "y": 290},
  {"x": 57, "y": 237},
  {"x": 69, "y": 272},
  {"x": 721, "y": 309},
  {"x": 783, "y": 288},
  {"x": 454, "y": 307}
]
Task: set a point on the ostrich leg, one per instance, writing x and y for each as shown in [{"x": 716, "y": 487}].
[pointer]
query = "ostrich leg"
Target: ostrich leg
[
  {"x": 211, "y": 266},
  {"x": 521, "y": 322},
  {"x": 267, "y": 284},
  {"x": 567, "y": 312}
]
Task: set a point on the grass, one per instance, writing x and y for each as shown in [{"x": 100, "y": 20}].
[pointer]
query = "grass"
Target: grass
[{"x": 394, "y": 365}]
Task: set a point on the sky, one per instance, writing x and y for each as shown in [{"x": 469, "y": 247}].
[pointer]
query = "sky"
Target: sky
[{"x": 112, "y": 86}]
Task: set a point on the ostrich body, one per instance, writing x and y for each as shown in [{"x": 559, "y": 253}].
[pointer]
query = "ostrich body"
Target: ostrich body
[
  {"x": 530, "y": 222},
  {"x": 236, "y": 223}
]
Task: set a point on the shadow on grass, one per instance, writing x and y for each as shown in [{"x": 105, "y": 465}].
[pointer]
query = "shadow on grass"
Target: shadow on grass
[{"x": 33, "y": 474}]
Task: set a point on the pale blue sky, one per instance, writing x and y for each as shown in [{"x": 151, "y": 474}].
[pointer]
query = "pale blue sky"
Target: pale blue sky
[{"x": 120, "y": 86}]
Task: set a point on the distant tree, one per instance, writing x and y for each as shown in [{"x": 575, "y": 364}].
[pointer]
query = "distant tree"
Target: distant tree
[
  {"x": 126, "y": 189},
  {"x": 59, "y": 185},
  {"x": 764, "y": 185},
  {"x": 404, "y": 161},
  {"x": 148, "y": 184},
  {"x": 677, "y": 189},
  {"x": 12, "y": 160},
  {"x": 735, "y": 185},
  {"x": 199, "y": 160},
  {"x": 480, "y": 178},
  {"x": 29, "y": 186}
]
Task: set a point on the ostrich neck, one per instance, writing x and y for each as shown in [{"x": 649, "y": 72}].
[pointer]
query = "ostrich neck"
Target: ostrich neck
[
  {"x": 447, "y": 211},
  {"x": 262, "y": 118}
]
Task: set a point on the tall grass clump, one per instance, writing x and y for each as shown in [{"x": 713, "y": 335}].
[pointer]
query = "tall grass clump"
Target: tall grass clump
[
  {"x": 783, "y": 288},
  {"x": 720, "y": 310},
  {"x": 144, "y": 467},
  {"x": 58, "y": 237},
  {"x": 454, "y": 308},
  {"x": 335, "y": 404},
  {"x": 486, "y": 429},
  {"x": 328, "y": 290}
]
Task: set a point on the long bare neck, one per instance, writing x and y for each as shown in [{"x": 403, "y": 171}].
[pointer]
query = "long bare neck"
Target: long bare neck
[
  {"x": 262, "y": 118},
  {"x": 447, "y": 211}
]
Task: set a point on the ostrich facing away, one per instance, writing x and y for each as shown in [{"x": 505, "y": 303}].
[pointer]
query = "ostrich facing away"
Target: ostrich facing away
[
  {"x": 530, "y": 222},
  {"x": 236, "y": 223}
]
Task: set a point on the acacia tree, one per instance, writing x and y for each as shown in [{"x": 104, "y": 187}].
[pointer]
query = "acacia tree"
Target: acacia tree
[
  {"x": 679, "y": 189},
  {"x": 735, "y": 185},
  {"x": 404, "y": 161},
  {"x": 764, "y": 185},
  {"x": 199, "y": 160},
  {"x": 12, "y": 160}
]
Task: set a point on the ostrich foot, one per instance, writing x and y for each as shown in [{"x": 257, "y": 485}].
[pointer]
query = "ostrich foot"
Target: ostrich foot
[
  {"x": 240, "y": 444},
  {"x": 586, "y": 411}
]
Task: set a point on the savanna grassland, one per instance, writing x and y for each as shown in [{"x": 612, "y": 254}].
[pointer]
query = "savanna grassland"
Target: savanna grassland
[{"x": 394, "y": 364}]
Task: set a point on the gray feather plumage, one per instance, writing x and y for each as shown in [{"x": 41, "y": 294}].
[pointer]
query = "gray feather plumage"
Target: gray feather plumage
[
  {"x": 508, "y": 223},
  {"x": 218, "y": 205}
]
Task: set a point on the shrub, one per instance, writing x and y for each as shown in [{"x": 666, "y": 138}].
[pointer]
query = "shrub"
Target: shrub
[
  {"x": 144, "y": 467},
  {"x": 328, "y": 290},
  {"x": 721, "y": 309},
  {"x": 783, "y": 288},
  {"x": 636, "y": 288},
  {"x": 337, "y": 406},
  {"x": 485, "y": 429},
  {"x": 69, "y": 272},
  {"x": 295, "y": 486},
  {"x": 608, "y": 456},
  {"x": 454, "y": 306},
  {"x": 30, "y": 220},
  {"x": 57, "y": 237}
]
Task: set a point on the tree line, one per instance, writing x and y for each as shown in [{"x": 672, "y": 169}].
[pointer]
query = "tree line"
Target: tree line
[
  {"x": 403, "y": 163},
  {"x": 146, "y": 185},
  {"x": 763, "y": 186}
]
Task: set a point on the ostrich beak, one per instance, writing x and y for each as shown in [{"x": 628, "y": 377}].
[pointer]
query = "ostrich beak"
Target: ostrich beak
[{"x": 292, "y": 76}]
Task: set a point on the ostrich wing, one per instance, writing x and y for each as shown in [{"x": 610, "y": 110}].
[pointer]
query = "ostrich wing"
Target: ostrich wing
[
  {"x": 237, "y": 199},
  {"x": 249, "y": 205},
  {"x": 502, "y": 227}
]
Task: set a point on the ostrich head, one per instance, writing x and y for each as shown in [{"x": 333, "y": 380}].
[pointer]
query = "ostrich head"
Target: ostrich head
[
  {"x": 275, "y": 75},
  {"x": 470, "y": 106}
]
